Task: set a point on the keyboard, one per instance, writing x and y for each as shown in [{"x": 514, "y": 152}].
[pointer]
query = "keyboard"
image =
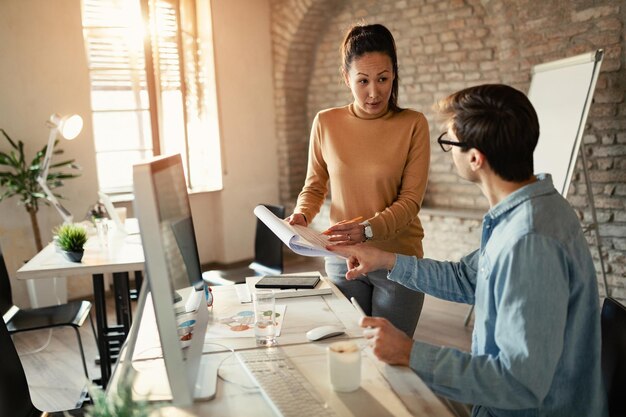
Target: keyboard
[{"x": 286, "y": 389}]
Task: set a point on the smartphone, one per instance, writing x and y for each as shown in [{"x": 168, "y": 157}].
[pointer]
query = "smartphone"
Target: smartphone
[{"x": 284, "y": 282}]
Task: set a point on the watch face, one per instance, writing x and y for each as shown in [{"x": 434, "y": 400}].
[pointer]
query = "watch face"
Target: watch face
[{"x": 368, "y": 231}]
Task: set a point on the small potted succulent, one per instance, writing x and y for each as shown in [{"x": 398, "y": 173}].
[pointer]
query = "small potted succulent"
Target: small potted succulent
[{"x": 71, "y": 239}]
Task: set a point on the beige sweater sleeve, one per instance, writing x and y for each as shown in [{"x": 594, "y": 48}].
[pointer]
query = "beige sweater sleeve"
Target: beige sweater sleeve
[{"x": 315, "y": 187}]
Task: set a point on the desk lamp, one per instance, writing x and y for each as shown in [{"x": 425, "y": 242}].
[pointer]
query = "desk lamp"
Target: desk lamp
[{"x": 68, "y": 127}]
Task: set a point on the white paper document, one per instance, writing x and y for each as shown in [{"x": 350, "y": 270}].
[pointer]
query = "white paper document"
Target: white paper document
[
  {"x": 238, "y": 321},
  {"x": 300, "y": 239}
]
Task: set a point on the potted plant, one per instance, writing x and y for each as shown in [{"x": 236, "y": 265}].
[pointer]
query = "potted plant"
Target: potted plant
[
  {"x": 19, "y": 178},
  {"x": 71, "y": 238},
  {"x": 117, "y": 404}
]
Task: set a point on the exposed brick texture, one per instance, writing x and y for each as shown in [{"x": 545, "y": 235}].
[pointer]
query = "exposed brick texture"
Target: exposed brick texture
[{"x": 446, "y": 45}]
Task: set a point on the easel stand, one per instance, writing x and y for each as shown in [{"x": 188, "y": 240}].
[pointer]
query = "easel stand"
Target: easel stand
[{"x": 594, "y": 221}]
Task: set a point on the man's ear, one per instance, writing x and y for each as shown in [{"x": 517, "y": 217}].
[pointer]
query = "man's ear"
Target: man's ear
[{"x": 477, "y": 159}]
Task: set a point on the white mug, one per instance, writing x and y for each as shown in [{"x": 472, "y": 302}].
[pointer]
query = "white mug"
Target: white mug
[{"x": 344, "y": 366}]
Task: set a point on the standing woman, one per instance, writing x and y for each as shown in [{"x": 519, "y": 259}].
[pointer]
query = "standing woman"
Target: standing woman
[{"x": 374, "y": 157}]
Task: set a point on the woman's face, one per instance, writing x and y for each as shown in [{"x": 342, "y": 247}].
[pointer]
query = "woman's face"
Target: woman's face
[{"x": 370, "y": 79}]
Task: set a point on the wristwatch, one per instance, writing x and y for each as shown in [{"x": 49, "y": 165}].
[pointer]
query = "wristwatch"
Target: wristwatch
[{"x": 367, "y": 230}]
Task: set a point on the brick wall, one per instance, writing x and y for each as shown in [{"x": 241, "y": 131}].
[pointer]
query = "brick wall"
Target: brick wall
[{"x": 444, "y": 46}]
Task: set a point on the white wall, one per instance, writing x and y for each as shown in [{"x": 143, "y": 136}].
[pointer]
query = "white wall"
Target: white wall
[
  {"x": 245, "y": 92},
  {"x": 43, "y": 70}
]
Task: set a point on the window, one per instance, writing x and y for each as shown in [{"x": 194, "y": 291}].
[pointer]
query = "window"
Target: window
[{"x": 152, "y": 95}]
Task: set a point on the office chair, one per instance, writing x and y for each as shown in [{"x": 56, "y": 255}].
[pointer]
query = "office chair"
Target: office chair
[
  {"x": 614, "y": 355},
  {"x": 17, "y": 320},
  {"x": 15, "y": 398},
  {"x": 268, "y": 256}
]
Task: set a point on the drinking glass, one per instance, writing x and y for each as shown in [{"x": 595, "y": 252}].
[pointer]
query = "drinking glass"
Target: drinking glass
[
  {"x": 264, "y": 317},
  {"x": 102, "y": 227}
]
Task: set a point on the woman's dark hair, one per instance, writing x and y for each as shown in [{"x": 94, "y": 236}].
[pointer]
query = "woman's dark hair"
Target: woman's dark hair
[
  {"x": 363, "y": 39},
  {"x": 499, "y": 121}
]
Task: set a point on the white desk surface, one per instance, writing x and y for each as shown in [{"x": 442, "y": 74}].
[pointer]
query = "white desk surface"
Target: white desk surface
[
  {"x": 123, "y": 254},
  {"x": 385, "y": 390}
]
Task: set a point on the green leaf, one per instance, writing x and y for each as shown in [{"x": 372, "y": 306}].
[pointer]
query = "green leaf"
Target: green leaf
[
  {"x": 6, "y": 135},
  {"x": 19, "y": 179},
  {"x": 67, "y": 163},
  {"x": 21, "y": 152}
]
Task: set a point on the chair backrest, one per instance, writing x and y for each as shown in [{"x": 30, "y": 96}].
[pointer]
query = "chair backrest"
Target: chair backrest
[
  {"x": 614, "y": 355},
  {"x": 14, "y": 394},
  {"x": 268, "y": 248},
  {"x": 6, "y": 298}
]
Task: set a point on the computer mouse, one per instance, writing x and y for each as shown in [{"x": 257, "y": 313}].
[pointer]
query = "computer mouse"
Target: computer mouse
[{"x": 324, "y": 332}]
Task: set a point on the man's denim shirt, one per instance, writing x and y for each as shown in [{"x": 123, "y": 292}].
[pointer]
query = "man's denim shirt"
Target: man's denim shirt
[{"x": 536, "y": 340}]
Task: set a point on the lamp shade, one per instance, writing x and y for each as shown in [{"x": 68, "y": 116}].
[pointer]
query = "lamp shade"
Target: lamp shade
[{"x": 68, "y": 126}]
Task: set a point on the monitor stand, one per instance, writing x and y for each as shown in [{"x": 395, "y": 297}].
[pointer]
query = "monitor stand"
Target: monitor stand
[
  {"x": 151, "y": 383},
  {"x": 206, "y": 381},
  {"x": 147, "y": 368}
]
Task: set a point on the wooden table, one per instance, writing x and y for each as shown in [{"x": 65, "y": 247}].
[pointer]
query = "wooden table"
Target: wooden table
[
  {"x": 385, "y": 390},
  {"x": 123, "y": 254}
]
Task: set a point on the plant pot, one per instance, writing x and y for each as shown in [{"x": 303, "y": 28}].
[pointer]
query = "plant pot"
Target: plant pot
[{"x": 73, "y": 256}]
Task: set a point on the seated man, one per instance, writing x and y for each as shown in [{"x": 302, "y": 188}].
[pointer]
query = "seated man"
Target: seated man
[{"x": 536, "y": 341}]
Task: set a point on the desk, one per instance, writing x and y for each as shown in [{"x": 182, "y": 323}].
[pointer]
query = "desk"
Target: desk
[
  {"x": 124, "y": 254},
  {"x": 385, "y": 390}
]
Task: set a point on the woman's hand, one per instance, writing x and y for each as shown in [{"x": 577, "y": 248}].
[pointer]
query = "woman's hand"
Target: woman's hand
[
  {"x": 346, "y": 232},
  {"x": 297, "y": 218}
]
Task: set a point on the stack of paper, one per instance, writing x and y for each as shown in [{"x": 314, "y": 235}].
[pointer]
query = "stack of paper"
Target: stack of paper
[{"x": 300, "y": 239}]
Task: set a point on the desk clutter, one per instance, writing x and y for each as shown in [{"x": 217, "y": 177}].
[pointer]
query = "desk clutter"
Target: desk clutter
[
  {"x": 336, "y": 376},
  {"x": 245, "y": 291}
]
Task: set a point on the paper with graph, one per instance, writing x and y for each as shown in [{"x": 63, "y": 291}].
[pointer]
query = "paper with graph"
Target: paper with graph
[{"x": 302, "y": 240}]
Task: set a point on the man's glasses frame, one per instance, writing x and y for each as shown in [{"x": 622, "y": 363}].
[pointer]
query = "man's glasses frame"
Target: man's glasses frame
[{"x": 446, "y": 145}]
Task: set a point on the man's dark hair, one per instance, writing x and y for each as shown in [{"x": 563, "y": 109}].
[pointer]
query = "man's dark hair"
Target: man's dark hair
[
  {"x": 363, "y": 39},
  {"x": 499, "y": 121}
]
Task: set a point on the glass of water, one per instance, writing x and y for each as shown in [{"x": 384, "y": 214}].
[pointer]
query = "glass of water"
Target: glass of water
[
  {"x": 102, "y": 227},
  {"x": 264, "y": 317}
]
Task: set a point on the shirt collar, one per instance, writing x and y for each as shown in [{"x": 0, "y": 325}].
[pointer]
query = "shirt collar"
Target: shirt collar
[{"x": 542, "y": 186}]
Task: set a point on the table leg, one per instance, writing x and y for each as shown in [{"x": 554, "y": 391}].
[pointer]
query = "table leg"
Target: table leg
[
  {"x": 134, "y": 293},
  {"x": 111, "y": 338},
  {"x": 122, "y": 300},
  {"x": 101, "y": 328}
]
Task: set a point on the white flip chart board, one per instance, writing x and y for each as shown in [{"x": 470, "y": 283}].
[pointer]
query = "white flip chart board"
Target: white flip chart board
[{"x": 561, "y": 92}]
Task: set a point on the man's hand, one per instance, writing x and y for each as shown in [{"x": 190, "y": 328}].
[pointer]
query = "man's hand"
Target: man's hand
[
  {"x": 389, "y": 344},
  {"x": 363, "y": 259}
]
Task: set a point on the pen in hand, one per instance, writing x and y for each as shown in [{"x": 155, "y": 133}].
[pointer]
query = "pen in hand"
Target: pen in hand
[
  {"x": 368, "y": 331},
  {"x": 358, "y": 308}
]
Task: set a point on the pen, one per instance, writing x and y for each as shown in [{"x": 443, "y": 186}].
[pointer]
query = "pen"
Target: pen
[
  {"x": 356, "y": 219},
  {"x": 356, "y": 305},
  {"x": 368, "y": 331}
]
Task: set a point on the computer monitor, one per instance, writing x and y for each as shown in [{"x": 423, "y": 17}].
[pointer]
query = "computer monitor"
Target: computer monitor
[{"x": 174, "y": 280}]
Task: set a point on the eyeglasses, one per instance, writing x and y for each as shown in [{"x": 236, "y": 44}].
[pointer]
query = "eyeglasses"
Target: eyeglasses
[{"x": 446, "y": 145}]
